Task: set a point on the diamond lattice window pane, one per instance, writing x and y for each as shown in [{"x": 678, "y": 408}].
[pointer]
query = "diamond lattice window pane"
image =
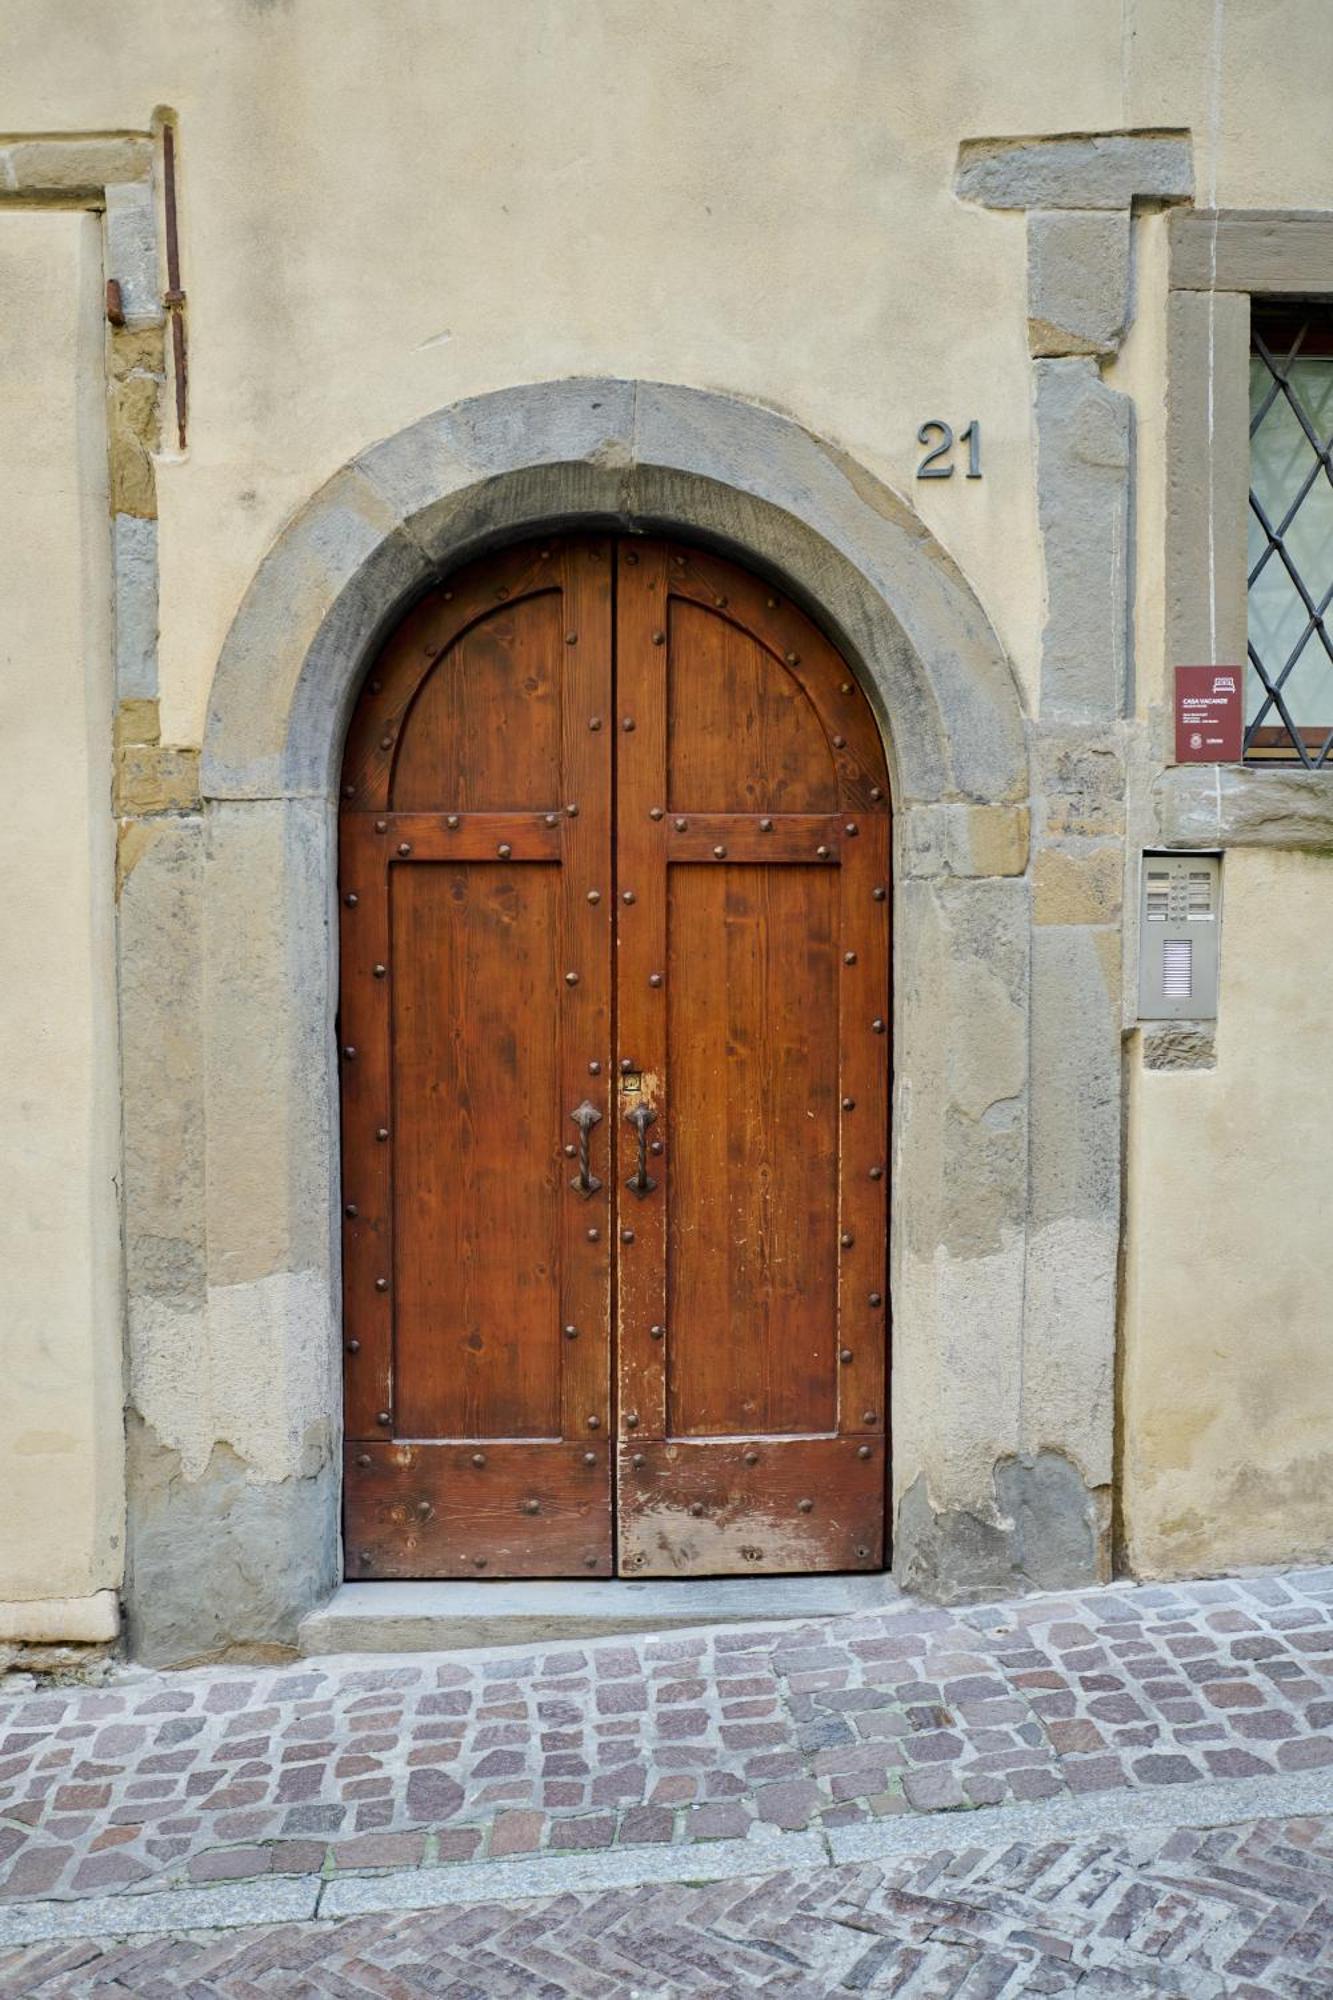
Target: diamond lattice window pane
[{"x": 1289, "y": 693}]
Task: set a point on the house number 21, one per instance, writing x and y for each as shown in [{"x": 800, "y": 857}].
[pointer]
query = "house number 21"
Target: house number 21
[{"x": 937, "y": 463}]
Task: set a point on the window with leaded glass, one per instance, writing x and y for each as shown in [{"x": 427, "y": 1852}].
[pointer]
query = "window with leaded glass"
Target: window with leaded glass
[{"x": 1289, "y": 696}]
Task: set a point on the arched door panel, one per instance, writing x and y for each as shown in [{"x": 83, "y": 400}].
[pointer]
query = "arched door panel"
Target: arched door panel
[
  {"x": 614, "y": 868},
  {"x": 752, "y": 1006},
  {"x": 475, "y": 1018}
]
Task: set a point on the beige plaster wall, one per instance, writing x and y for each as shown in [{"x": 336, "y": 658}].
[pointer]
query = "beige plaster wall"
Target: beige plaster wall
[
  {"x": 1226, "y": 1365},
  {"x": 387, "y": 208},
  {"x": 1228, "y": 1353},
  {"x": 60, "y": 1315}
]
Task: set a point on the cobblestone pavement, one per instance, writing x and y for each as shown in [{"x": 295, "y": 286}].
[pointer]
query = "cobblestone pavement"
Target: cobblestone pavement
[
  {"x": 1241, "y": 1911},
  {"x": 354, "y": 1764}
]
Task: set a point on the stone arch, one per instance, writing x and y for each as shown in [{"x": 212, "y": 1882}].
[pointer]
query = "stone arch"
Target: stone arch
[
  {"x": 234, "y": 1486},
  {"x": 620, "y": 454}
]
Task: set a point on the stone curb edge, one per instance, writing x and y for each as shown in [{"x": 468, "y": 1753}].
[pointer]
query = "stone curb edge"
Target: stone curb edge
[{"x": 232, "y": 1905}]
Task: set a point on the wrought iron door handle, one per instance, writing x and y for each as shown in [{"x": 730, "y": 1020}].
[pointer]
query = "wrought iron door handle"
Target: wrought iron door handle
[
  {"x": 641, "y": 1117},
  {"x": 585, "y": 1117}
]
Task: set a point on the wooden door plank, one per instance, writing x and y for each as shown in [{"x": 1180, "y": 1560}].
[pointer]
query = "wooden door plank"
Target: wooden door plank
[
  {"x": 411, "y": 657},
  {"x": 585, "y": 1016},
  {"x": 477, "y": 1509},
  {"x": 753, "y": 1059},
  {"x": 454, "y": 837},
  {"x": 642, "y": 1083},
  {"x": 768, "y": 838},
  {"x": 476, "y": 1121},
  {"x": 759, "y": 1441},
  {"x": 863, "y": 1039},
  {"x": 476, "y": 974},
  {"x": 367, "y": 1175},
  {"x": 751, "y": 1506}
]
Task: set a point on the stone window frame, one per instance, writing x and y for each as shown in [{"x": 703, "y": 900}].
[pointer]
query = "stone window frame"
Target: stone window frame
[{"x": 1220, "y": 259}]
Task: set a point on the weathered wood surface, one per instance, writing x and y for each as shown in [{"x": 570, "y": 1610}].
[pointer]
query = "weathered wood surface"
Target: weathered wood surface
[{"x": 615, "y": 831}]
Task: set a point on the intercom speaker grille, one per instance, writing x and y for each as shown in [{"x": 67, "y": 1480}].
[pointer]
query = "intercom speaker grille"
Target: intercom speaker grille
[{"x": 1178, "y": 968}]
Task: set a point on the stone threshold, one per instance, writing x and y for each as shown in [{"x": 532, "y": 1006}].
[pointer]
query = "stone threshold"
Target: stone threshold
[{"x": 456, "y": 1617}]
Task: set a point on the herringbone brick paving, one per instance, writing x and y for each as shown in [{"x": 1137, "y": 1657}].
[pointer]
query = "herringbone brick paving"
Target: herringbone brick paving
[
  {"x": 327, "y": 1766},
  {"x": 1239, "y": 1911}
]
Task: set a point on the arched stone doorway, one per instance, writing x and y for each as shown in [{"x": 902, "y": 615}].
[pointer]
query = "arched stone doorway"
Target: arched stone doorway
[{"x": 235, "y": 1479}]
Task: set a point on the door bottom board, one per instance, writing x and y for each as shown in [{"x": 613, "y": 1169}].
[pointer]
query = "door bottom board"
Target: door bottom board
[{"x": 394, "y": 1617}]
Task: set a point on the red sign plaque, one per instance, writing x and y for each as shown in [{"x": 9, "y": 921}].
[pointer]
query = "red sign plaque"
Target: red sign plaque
[{"x": 1210, "y": 727}]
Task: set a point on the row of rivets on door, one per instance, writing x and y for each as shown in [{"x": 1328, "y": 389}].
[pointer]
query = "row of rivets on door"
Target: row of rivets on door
[
  {"x": 455, "y": 820},
  {"x": 351, "y": 1208},
  {"x": 847, "y": 1240},
  {"x": 878, "y": 1026},
  {"x": 750, "y": 1456}
]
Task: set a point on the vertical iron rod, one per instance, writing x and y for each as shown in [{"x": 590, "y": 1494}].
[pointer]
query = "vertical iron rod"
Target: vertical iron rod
[{"x": 174, "y": 299}]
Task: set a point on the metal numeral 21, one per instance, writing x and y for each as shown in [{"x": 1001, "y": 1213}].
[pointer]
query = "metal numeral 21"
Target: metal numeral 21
[{"x": 930, "y": 466}]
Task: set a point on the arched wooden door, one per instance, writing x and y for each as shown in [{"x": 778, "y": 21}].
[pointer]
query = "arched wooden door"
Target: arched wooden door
[{"x": 614, "y": 883}]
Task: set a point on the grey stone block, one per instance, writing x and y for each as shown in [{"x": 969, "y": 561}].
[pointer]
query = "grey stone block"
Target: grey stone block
[
  {"x": 1093, "y": 170},
  {"x": 134, "y": 583},
  {"x": 960, "y": 1192},
  {"x": 161, "y": 1025},
  {"x": 230, "y": 1237},
  {"x": 1079, "y": 780},
  {"x": 966, "y": 841},
  {"x": 1073, "y": 1241},
  {"x": 71, "y": 168},
  {"x": 588, "y": 422},
  {"x": 763, "y": 1851},
  {"x": 965, "y": 1171},
  {"x": 229, "y": 1906},
  {"x": 1083, "y": 460},
  {"x": 130, "y": 229},
  {"x": 1251, "y": 250},
  {"x": 1176, "y": 1045},
  {"x": 224, "y": 1560},
  {"x": 1039, "y": 1530},
  {"x": 448, "y": 1617},
  {"x": 1076, "y": 1074},
  {"x": 1208, "y": 477},
  {"x": 268, "y": 1038},
  {"x": 1209, "y": 1803},
  {"x": 1217, "y": 805},
  {"x": 1078, "y": 280}
]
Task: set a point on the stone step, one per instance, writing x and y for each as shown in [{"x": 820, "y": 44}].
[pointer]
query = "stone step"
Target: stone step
[{"x": 450, "y": 1617}]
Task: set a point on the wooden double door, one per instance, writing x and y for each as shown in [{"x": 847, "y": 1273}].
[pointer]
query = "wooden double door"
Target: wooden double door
[{"x": 614, "y": 882}]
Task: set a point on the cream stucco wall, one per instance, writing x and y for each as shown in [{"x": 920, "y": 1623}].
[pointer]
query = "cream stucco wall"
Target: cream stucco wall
[
  {"x": 61, "y": 1531},
  {"x": 387, "y": 208},
  {"x": 1228, "y": 1371}
]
